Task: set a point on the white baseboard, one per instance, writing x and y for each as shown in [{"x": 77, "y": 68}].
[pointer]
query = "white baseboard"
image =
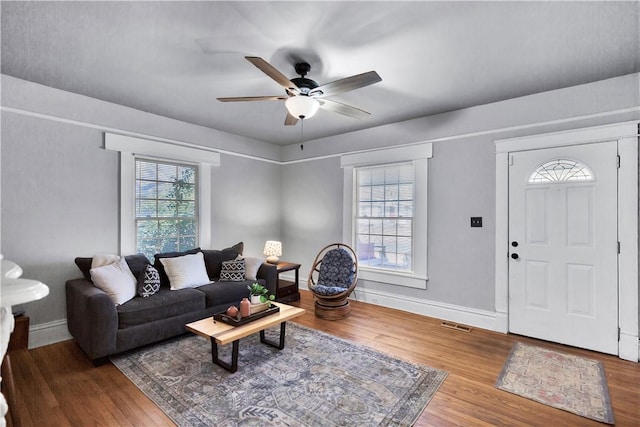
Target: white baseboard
[
  {"x": 48, "y": 333},
  {"x": 453, "y": 313},
  {"x": 629, "y": 347}
]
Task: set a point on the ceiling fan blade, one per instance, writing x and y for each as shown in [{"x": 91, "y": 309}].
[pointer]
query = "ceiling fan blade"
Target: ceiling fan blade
[
  {"x": 347, "y": 110},
  {"x": 251, "y": 98},
  {"x": 347, "y": 84},
  {"x": 290, "y": 120},
  {"x": 272, "y": 72}
]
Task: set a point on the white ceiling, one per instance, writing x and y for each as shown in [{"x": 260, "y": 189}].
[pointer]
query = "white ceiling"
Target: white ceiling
[{"x": 175, "y": 58}]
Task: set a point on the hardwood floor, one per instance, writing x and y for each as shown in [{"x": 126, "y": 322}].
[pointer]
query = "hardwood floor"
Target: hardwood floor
[{"x": 58, "y": 386}]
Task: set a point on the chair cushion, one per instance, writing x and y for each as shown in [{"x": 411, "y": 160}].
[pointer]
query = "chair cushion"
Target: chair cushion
[
  {"x": 162, "y": 305},
  {"x": 336, "y": 272}
]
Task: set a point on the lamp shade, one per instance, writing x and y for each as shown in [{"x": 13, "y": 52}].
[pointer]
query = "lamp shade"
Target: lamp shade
[
  {"x": 273, "y": 250},
  {"x": 302, "y": 106}
]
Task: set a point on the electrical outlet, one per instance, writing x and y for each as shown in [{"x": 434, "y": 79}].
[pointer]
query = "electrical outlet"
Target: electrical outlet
[{"x": 476, "y": 221}]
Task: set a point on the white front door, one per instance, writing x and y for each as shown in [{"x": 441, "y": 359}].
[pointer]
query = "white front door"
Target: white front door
[{"x": 563, "y": 245}]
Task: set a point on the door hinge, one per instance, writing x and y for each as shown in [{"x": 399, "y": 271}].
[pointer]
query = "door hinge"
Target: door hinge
[
  {"x": 618, "y": 334},
  {"x": 510, "y": 160},
  {"x": 618, "y": 161},
  {"x": 618, "y": 247}
]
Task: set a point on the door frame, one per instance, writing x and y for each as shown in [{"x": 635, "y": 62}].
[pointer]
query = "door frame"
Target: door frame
[{"x": 626, "y": 134}]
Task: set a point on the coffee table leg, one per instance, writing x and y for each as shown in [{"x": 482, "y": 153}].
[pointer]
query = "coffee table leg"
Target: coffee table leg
[
  {"x": 279, "y": 345},
  {"x": 233, "y": 366}
]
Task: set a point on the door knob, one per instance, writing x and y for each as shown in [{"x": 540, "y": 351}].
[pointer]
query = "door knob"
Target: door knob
[
  {"x": 514, "y": 256},
  {"x": 514, "y": 244}
]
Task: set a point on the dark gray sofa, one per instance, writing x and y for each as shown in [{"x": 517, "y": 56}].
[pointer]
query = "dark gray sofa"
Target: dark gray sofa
[{"x": 102, "y": 328}]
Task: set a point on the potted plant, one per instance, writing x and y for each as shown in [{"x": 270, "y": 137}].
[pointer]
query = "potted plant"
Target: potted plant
[{"x": 260, "y": 294}]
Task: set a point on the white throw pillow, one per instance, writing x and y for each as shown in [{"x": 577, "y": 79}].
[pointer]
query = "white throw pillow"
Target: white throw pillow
[
  {"x": 116, "y": 280},
  {"x": 251, "y": 267},
  {"x": 103, "y": 259},
  {"x": 187, "y": 271}
]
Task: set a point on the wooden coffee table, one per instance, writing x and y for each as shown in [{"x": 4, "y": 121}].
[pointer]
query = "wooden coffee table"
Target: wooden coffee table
[{"x": 221, "y": 334}]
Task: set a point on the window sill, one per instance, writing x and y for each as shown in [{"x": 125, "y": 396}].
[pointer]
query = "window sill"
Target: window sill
[{"x": 393, "y": 278}]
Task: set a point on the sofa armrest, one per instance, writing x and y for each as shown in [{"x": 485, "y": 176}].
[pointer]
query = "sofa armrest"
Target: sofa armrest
[
  {"x": 92, "y": 318},
  {"x": 269, "y": 273}
]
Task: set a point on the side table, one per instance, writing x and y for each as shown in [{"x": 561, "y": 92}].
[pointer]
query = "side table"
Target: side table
[{"x": 286, "y": 290}]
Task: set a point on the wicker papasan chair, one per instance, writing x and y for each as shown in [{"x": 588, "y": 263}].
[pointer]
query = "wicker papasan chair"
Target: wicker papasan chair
[{"x": 332, "y": 278}]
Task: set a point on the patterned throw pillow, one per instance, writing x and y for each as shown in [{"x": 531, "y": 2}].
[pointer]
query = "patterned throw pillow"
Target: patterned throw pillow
[
  {"x": 232, "y": 271},
  {"x": 148, "y": 281}
]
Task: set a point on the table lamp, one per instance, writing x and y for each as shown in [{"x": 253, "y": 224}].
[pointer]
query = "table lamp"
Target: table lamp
[{"x": 273, "y": 250}]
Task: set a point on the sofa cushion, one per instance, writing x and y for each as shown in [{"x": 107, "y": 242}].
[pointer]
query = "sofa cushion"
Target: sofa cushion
[
  {"x": 164, "y": 304},
  {"x": 115, "y": 280},
  {"x": 148, "y": 281},
  {"x": 185, "y": 271},
  {"x": 164, "y": 280},
  {"x": 213, "y": 258},
  {"x": 136, "y": 264},
  {"x": 84, "y": 264},
  {"x": 251, "y": 267},
  {"x": 226, "y": 292}
]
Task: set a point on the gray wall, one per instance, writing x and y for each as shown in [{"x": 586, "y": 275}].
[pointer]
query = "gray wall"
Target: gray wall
[
  {"x": 60, "y": 188},
  {"x": 461, "y": 259}
]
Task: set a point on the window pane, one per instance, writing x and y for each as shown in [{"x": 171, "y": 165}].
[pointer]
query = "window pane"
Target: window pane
[
  {"x": 166, "y": 208},
  {"x": 146, "y": 170},
  {"x": 365, "y": 193},
  {"x": 166, "y": 191},
  {"x": 146, "y": 189},
  {"x": 186, "y": 208},
  {"x": 364, "y": 209},
  {"x": 404, "y": 227},
  {"x": 187, "y": 227},
  {"x": 377, "y": 192},
  {"x": 187, "y": 243},
  {"x": 146, "y": 208},
  {"x": 391, "y": 192},
  {"x": 405, "y": 209},
  {"x": 376, "y": 227},
  {"x": 377, "y": 209},
  {"x": 147, "y": 229},
  {"x": 363, "y": 227},
  {"x": 167, "y": 172},
  {"x": 377, "y": 176},
  {"x": 405, "y": 192},
  {"x": 389, "y": 227},
  {"x": 169, "y": 245}
]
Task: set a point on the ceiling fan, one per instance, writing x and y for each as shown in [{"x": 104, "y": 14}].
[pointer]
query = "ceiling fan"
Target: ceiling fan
[{"x": 304, "y": 96}]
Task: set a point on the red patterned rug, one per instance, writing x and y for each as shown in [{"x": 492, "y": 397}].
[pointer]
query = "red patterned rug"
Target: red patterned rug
[{"x": 563, "y": 381}]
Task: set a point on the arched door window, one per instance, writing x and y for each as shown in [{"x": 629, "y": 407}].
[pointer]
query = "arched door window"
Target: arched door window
[{"x": 561, "y": 170}]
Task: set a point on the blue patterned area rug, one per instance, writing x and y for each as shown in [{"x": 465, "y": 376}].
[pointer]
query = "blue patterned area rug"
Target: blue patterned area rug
[{"x": 316, "y": 380}]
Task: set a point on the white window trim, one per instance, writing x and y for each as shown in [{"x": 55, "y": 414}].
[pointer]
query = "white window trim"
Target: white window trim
[
  {"x": 129, "y": 147},
  {"x": 418, "y": 154}
]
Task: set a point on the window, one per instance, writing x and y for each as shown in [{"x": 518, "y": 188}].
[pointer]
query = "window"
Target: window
[
  {"x": 157, "y": 184},
  {"x": 384, "y": 220},
  {"x": 559, "y": 171},
  {"x": 166, "y": 211},
  {"x": 385, "y": 213}
]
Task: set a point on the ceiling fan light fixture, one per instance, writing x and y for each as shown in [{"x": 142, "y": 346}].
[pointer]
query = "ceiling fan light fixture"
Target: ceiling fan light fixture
[{"x": 302, "y": 106}]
